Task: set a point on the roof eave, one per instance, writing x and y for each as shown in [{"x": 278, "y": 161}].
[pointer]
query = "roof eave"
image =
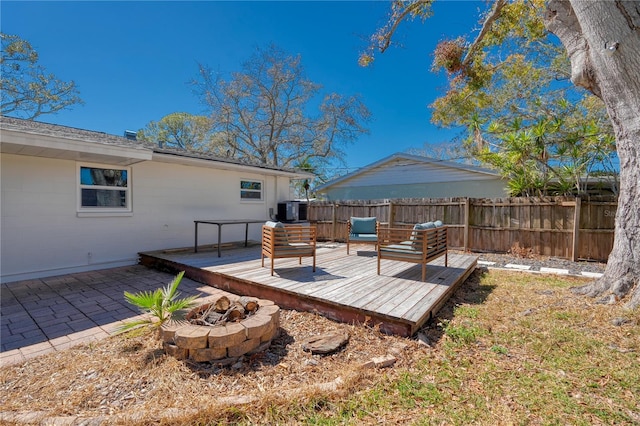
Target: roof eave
[
  {"x": 40, "y": 145},
  {"x": 177, "y": 158}
]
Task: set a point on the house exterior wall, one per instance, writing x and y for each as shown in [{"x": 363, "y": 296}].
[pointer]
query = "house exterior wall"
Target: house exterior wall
[
  {"x": 409, "y": 172},
  {"x": 409, "y": 176},
  {"x": 42, "y": 234},
  {"x": 488, "y": 188}
]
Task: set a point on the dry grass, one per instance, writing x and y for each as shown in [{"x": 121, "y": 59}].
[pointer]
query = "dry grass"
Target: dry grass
[{"x": 508, "y": 348}]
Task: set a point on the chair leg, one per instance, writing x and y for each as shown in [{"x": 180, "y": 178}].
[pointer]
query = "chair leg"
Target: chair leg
[
  {"x": 314, "y": 261},
  {"x": 424, "y": 271},
  {"x": 347, "y": 247},
  {"x": 272, "y": 266},
  {"x": 378, "y": 263}
]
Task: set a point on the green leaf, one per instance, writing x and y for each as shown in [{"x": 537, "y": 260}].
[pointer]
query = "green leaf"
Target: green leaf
[
  {"x": 131, "y": 325},
  {"x": 161, "y": 304}
]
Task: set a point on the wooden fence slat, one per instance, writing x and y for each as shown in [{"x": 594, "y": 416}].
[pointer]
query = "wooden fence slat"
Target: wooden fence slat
[{"x": 547, "y": 225}]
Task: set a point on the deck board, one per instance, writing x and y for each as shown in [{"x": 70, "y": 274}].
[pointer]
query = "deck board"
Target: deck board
[{"x": 344, "y": 287}]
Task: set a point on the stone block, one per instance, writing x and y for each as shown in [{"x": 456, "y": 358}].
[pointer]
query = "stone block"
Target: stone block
[
  {"x": 261, "y": 348},
  {"x": 207, "y": 354},
  {"x": 175, "y": 351},
  {"x": 244, "y": 347},
  {"x": 270, "y": 333},
  {"x": 256, "y": 325},
  {"x": 384, "y": 361},
  {"x": 192, "y": 337},
  {"x": 273, "y": 311},
  {"x": 169, "y": 328},
  {"x": 225, "y": 336}
]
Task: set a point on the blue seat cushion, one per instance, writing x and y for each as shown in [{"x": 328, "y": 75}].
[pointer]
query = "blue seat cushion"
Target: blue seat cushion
[{"x": 363, "y": 225}]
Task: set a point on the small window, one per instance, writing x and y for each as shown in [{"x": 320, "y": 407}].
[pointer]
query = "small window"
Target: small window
[
  {"x": 250, "y": 190},
  {"x": 104, "y": 189}
]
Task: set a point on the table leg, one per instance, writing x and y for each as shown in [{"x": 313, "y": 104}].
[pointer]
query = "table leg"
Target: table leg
[
  {"x": 246, "y": 233},
  {"x": 195, "y": 245},
  {"x": 219, "y": 239}
]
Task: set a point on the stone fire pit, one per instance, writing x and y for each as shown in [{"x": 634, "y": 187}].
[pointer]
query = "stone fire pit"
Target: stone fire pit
[{"x": 225, "y": 335}]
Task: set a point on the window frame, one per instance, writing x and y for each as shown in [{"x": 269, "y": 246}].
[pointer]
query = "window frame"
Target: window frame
[
  {"x": 260, "y": 191},
  {"x": 86, "y": 211}
]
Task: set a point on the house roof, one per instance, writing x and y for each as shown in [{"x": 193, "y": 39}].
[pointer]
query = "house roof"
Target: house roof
[
  {"x": 412, "y": 163},
  {"x": 28, "y": 137}
]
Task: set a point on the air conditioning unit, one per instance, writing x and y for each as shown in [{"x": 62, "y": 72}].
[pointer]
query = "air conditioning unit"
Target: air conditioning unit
[{"x": 292, "y": 211}]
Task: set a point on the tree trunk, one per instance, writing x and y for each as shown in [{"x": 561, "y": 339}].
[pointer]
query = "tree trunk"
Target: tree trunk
[{"x": 602, "y": 39}]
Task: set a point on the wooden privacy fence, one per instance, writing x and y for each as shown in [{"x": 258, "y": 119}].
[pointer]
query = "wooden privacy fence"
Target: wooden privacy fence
[{"x": 566, "y": 227}]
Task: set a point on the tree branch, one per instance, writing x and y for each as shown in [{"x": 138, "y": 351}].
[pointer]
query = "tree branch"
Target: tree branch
[
  {"x": 411, "y": 9},
  {"x": 486, "y": 27},
  {"x": 561, "y": 20}
]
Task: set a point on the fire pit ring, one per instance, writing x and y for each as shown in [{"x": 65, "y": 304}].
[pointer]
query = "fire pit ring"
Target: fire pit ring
[{"x": 222, "y": 343}]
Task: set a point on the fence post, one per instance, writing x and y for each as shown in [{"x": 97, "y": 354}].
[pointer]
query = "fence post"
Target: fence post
[
  {"x": 333, "y": 222},
  {"x": 465, "y": 244},
  {"x": 392, "y": 214},
  {"x": 576, "y": 230}
]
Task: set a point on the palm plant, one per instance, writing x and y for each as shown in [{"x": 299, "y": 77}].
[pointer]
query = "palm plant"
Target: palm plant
[{"x": 161, "y": 304}]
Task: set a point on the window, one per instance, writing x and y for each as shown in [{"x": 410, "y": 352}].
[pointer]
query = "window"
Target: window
[
  {"x": 250, "y": 190},
  {"x": 104, "y": 189}
]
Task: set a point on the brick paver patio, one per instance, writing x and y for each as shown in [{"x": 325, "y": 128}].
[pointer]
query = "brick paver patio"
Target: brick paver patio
[{"x": 49, "y": 314}]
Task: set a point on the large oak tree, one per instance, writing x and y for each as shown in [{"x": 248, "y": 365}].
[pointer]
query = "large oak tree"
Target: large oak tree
[{"x": 602, "y": 39}]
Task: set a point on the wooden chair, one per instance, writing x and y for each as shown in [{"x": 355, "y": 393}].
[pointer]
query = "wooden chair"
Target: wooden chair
[
  {"x": 279, "y": 241},
  {"x": 417, "y": 245},
  {"x": 362, "y": 230}
]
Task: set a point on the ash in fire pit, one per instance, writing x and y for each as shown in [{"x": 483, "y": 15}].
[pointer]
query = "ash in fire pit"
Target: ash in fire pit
[{"x": 223, "y": 330}]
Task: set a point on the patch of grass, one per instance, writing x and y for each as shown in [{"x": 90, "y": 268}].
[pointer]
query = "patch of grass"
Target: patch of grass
[
  {"x": 470, "y": 312},
  {"x": 498, "y": 349},
  {"x": 413, "y": 392},
  {"x": 465, "y": 332}
]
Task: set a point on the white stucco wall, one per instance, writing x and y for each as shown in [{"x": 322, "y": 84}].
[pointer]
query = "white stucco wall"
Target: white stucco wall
[{"x": 41, "y": 233}]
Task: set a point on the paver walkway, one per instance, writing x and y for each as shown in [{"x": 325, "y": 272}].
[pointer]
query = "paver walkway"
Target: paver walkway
[{"x": 55, "y": 313}]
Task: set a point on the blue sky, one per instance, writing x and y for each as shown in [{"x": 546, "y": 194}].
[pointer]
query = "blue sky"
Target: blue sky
[{"x": 132, "y": 61}]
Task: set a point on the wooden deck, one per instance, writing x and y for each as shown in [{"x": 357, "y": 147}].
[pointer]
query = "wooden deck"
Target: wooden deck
[{"x": 344, "y": 288}]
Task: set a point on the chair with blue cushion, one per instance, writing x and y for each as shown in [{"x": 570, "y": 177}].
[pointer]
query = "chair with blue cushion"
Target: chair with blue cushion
[
  {"x": 422, "y": 244},
  {"x": 362, "y": 230}
]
